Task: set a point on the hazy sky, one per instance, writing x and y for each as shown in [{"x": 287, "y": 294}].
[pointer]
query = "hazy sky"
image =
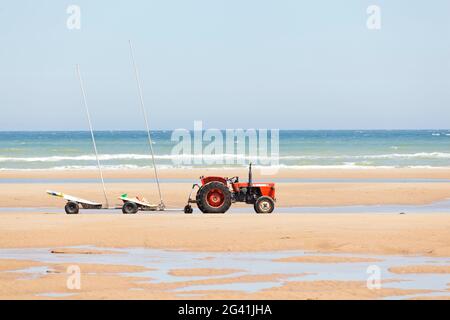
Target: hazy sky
[{"x": 231, "y": 63}]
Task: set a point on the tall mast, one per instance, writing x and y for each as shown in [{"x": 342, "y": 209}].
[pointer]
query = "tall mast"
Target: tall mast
[
  {"x": 144, "y": 112},
  {"x": 92, "y": 134}
]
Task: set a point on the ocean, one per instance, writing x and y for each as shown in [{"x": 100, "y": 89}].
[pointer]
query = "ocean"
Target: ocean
[{"x": 297, "y": 149}]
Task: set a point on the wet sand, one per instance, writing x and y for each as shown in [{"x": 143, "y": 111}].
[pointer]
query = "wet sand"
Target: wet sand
[
  {"x": 421, "y": 269},
  {"x": 202, "y": 272},
  {"x": 326, "y": 259},
  {"x": 424, "y": 234},
  {"x": 109, "y": 282}
]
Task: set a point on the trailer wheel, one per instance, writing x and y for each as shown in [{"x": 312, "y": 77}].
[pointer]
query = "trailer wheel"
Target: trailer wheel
[
  {"x": 213, "y": 197},
  {"x": 72, "y": 207},
  {"x": 264, "y": 205},
  {"x": 129, "y": 208}
]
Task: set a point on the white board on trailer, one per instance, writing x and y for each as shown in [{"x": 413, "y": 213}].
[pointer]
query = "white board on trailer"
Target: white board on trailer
[
  {"x": 125, "y": 198},
  {"x": 72, "y": 198}
]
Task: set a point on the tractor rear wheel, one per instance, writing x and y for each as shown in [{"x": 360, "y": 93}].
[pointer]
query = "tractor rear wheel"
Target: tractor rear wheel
[
  {"x": 264, "y": 205},
  {"x": 129, "y": 208},
  {"x": 72, "y": 207},
  {"x": 213, "y": 197}
]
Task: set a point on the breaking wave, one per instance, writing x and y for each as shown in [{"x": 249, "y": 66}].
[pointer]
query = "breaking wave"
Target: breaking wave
[{"x": 109, "y": 157}]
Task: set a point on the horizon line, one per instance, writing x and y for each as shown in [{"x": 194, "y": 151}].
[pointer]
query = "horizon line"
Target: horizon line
[{"x": 172, "y": 129}]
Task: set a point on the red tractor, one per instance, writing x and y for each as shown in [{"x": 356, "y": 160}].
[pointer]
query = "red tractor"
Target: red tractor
[{"x": 216, "y": 194}]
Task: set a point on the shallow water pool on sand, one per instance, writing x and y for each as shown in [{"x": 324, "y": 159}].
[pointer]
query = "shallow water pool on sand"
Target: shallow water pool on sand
[
  {"x": 55, "y": 295},
  {"x": 435, "y": 207},
  {"x": 161, "y": 262}
]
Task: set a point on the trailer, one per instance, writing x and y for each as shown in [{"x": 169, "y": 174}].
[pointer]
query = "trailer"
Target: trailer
[{"x": 130, "y": 205}]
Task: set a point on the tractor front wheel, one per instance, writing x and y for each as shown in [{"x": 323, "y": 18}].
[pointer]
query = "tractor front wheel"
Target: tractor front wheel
[
  {"x": 213, "y": 197},
  {"x": 264, "y": 205}
]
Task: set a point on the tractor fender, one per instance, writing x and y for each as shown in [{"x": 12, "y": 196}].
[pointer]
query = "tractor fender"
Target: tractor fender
[{"x": 209, "y": 179}]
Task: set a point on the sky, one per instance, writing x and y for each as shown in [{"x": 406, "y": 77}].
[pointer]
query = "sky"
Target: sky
[{"x": 287, "y": 64}]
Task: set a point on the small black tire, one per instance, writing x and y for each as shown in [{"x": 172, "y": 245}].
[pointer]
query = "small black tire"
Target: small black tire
[
  {"x": 202, "y": 198},
  {"x": 72, "y": 207},
  {"x": 188, "y": 209},
  {"x": 264, "y": 205},
  {"x": 129, "y": 208}
]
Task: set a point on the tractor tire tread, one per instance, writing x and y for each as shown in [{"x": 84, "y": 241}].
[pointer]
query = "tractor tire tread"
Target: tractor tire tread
[{"x": 201, "y": 195}]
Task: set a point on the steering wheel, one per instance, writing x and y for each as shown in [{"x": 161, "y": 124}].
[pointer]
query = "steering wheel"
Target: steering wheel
[{"x": 233, "y": 179}]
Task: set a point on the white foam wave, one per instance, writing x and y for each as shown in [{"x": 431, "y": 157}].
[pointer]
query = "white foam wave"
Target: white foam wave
[
  {"x": 102, "y": 157},
  {"x": 234, "y": 167},
  {"x": 108, "y": 157},
  {"x": 419, "y": 155}
]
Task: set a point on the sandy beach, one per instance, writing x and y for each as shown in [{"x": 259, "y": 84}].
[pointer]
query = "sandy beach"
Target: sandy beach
[
  {"x": 358, "y": 189},
  {"x": 224, "y": 150},
  {"x": 346, "y": 235},
  {"x": 416, "y": 234},
  {"x": 194, "y": 173}
]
